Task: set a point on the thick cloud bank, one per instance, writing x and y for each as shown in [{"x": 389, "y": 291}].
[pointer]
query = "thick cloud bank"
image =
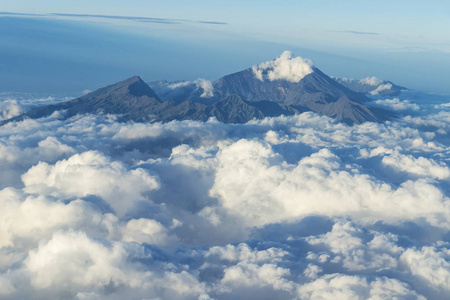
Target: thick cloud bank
[
  {"x": 284, "y": 67},
  {"x": 298, "y": 207}
]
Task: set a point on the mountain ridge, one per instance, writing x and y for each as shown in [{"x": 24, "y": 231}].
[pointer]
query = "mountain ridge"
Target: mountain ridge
[{"x": 234, "y": 98}]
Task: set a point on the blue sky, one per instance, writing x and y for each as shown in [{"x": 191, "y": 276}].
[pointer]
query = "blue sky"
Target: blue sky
[{"x": 403, "y": 41}]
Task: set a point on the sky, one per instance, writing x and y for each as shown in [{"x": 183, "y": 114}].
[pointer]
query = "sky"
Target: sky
[
  {"x": 403, "y": 41},
  {"x": 289, "y": 207}
]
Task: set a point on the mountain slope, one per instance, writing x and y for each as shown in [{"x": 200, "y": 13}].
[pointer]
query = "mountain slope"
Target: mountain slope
[
  {"x": 312, "y": 88},
  {"x": 316, "y": 92},
  {"x": 132, "y": 98}
]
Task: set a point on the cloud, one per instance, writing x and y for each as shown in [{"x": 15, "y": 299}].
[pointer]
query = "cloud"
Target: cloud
[
  {"x": 91, "y": 173},
  {"x": 396, "y": 103},
  {"x": 206, "y": 85},
  {"x": 373, "y": 81},
  {"x": 359, "y": 32},
  {"x": 146, "y": 231},
  {"x": 81, "y": 265},
  {"x": 75, "y": 260},
  {"x": 354, "y": 287},
  {"x": 284, "y": 68},
  {"x": 283, "y": 208},
  {"x": 213, "y": 23},
  {"x": 256, "y": 184},
  {"x": 420, "y": 166},
  {"x": 112, "y": 17},
  {"x": 443, "y": 105},
  {"x": 9, "y": 109},
  {"x": 243, "y": 252},
  {"x": 381, "y": 88},
  {"x": 200, "y": 84},
  {"x": 430, "y": 264}
]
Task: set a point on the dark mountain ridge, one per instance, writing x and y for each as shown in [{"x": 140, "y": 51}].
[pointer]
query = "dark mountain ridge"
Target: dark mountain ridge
[{"x": 235, "y": 98}]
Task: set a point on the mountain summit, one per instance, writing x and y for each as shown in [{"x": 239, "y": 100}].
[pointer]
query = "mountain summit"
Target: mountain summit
[
  {"x": 285, "y": 86},
  {"x": 296, "y": 82},
  {"x": 131, "y": 98}
]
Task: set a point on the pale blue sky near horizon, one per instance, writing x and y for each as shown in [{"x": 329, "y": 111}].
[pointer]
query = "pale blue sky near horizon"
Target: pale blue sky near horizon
[{"x": 403, "y": 41}]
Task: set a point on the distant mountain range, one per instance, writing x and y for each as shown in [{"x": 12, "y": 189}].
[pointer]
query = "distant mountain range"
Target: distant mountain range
[{"x": 284, "y": 86}]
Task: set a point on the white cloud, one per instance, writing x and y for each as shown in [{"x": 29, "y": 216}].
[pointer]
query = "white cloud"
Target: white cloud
[
  {"x": 284, "y": 68},
  {"x": 282, "y": 208},
  {"x": 204, "y": 85},
  {"x": 27, "y": 219},
  {"x": 243, "y": 252},
  {"x": 9, "y": 109},
  {"x": 72, "y": 263},
  {"x": 430, "y": 264},
  {"x": 352, "y": 247},
  {"x": 343, "y": 287},
  {"x": 91, "y": 173},
  {"x": 443, "y": 105},
  {"x": 249, "y": 275},
  {"x": 72, "y": 259},
  {"x": 381, "y": 88},
  {"x": 396, "y": 103},
  {"x": 256, "y": 184},
  {"x": 373, "y": 81},
  {"x": 146, "y": 231},
  {"x": 420, "y": 166}
]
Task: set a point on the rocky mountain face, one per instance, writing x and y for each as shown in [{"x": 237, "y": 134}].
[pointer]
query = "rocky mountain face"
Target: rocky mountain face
[
  {"x": 284, "y": 86},
  {"x": 316, "y": 92},
  {"x": 131, "y": 98}
]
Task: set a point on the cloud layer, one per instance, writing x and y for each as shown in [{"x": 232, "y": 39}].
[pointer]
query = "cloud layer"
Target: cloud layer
[{"x": 298, "y": 207}]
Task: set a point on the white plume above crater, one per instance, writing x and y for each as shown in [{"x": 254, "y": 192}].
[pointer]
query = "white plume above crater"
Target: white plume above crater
[{"x": 285, "y": 67}]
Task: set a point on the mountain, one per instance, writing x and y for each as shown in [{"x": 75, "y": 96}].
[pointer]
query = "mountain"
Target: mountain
[
  {"x": 314, "y": 87},
  {"x": 287, "y": 81},
  {"x": 372, "y": 86},
  {"x": 284, "y": 86},
  {"x": 316, "y": 92},
  {"x": 132, "y": 98}
]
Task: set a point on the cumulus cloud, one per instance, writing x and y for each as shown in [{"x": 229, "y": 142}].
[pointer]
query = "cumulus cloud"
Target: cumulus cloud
[
  {"x": 420, "y": 166},
  {"x": 91, "y": 173},
  {"x": 357, "y": 249},
  {"x": 445, "y": 105},
  {"x": 9, "y": 109},
  {"x": 255, "y": 183},
  {"x": 373, "y": 81},
  {"x": 283, "y": 208},
  {"x": 430, "y": 264},
  {"x": 200, "y": 84},
  {"x": 396, "y": 103},
  {"x": 83, "y": 266},
  {"x": 381, "y": 88},
  {"x": 284, "y": 67},
  {"x": 353, "y": 287},
  {"x": 206, "y": 86}
]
